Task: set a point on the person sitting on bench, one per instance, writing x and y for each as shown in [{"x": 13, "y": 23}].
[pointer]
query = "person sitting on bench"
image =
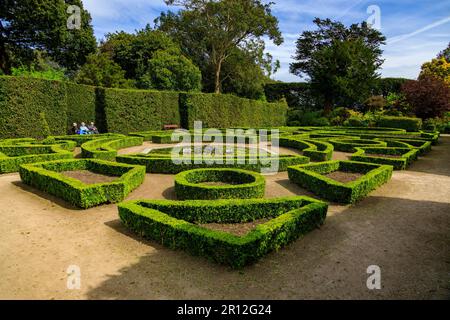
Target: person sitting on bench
[
  {"x": 92, "y": 128},
  {"x": 84, "y": 129},
  {"x": 74, "y": 129}
]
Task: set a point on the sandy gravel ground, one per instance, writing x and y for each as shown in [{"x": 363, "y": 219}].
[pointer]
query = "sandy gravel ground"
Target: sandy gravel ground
[{"x": 403, "y": 227}]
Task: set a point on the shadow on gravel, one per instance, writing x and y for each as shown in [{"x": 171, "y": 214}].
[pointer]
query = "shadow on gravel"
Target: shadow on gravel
[
  {"x": 408, "y": 239},
  {"x": 46, "y": 196}
]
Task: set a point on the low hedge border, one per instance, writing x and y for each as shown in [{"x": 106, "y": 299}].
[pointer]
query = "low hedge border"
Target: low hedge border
[
  {"x": 173, "y": 224},
  {"x": 311, "y": 177},
  {"x": 83, "y": 138},
  {"x": 314, "y": 149},
  {"x": 46, "y": 176},
  {"x": 406, "y": 123},
  {"x": 408, "y": 155},
  {"x": 350, "y": 145},
  {"x": 147, "y": 135},
  {"x": 12, "y": 156},
  {"x": 164, "y": 164},
  {"x": 106, "y": 149},
  {"x": 243, "y": 184},
  {"x": 423, "y": 146}
]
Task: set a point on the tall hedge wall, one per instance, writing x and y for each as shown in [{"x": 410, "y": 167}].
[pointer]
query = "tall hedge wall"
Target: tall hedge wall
[
  {"x": 137, "y": 110},
  {"x": 222, "y": 111},
  {"x": 23, "y": 99},
  {"x": 122, "y": 111},
  {"x": 81, "y": 101}
]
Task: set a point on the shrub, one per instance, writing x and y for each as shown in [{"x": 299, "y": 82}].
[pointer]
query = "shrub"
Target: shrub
[
  {"x": 138, "y": 110},
  {"x": 46, "y": 176},
  {"x": 314, "y": 149},
  {"x": 350, "y": 145},
  {"x": 23, "y": 99},
  {"x": 407, "y": 155},
  {"x": 14, "y": 153},
  {"x": 175, "y": 224},
  {"x": 228, "y": 111},
  {"x": 45, "y": 127},
  {"x": 409, "y": 124},
  {"x": 241, "y": 184},
  {"x": 312, "y": 177},
  {"x": 81, "y": 105},
  {"x": 163, "y": 163},
  {"x": 106, "y": 148},
  {"x": 80, "y": 139},
  {"x": 429, "y": 96}
]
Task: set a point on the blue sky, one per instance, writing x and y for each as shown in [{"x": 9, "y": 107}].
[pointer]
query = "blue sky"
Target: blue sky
[{"x": 416, "y": 30}]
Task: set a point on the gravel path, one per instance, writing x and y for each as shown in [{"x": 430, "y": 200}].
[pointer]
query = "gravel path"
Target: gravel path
[{"x": 403, "y": 227}]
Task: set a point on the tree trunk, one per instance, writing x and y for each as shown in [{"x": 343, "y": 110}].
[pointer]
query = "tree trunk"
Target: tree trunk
[
  {"x": 327, "y": 107},
  {"x": 217, "y": 85}
]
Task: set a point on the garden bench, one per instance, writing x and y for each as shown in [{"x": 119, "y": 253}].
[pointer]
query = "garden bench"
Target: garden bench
[{"x": 170, "y": 126}]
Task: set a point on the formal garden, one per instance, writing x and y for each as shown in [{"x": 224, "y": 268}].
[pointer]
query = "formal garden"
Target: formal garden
[{"x": 193, "y": 184}]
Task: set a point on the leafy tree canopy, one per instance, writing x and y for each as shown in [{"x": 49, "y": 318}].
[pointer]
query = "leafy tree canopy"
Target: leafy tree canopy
[
  {"x": 166, "y": 71},
  {"x": 439, "y": 68},
  {"x": 101, "y": 71},
  {"x": 211, "y": 33},
  {"x": 429, "y": 96},
  {"x": 340, "y": 61},
  {"x": 29, "y": 25}
]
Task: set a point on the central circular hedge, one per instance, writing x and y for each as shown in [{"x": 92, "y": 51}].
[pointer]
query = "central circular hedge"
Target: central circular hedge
[{"x": 215, "y": 183}]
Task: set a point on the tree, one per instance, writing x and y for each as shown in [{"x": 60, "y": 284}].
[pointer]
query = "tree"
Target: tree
[
  {"x": 429, "y": 96},
  {"x": 166, "y": 71},
  {"x": 133, "y": 51},
  {"x": 439, "y": 68},
  {"x": 101, "y": 71},
  {"x": 445, "y": 53},
  {"x": 245, "y": 78},
  {"x": 29, "y": 25},
  {"x": 341, "y": 62},
  {"x": 210, "y": 31},
  {"x": 43, "y": 67}
]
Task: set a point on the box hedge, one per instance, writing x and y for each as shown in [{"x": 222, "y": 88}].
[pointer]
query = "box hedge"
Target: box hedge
[
  {"x": 81, "y": 104},
  {"x": 314, "y": 149},
  {"x": 12, "y": 156},
  {"x": 139, "y": 110},
  {"x": 407, "y": 156},
  {"x": 163, "y": 163},
  {"x": 175, "y": 224},
  {"x": 106, "y": 148},
  {"x": 350, "y": 145},
  {"x": 46, "y": 176},
  {"x": 406, "y": 123},
  {"x": 312, "y": 177},
  {"x": 240, "y": 184},
  {"x": 23, "y": 99},
  {"x": 228, "y": 111}
]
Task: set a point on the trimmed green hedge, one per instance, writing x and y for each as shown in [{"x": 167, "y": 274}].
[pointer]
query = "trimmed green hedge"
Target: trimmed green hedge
[
  {"x": 22, "y": 100},
  {"x": 408, "y": 155},
  {"x": 161, "y": 163},
  {"x": 139, "y": 110},
  {"x": 81, "y": 104},
  {"x": 46, "y": 176},
  {"x": 228, "y": 111},
  {"x": 242, "y": 184},
  {"x": 408, "y": 124},
  {"x": 106, "y": 148},
  {"x": 80, "y": 139},
  {"x": 350, "y": 145},
  {"x": 314, "y": 149},
  {"x": 312, "y": 177},
  {"x": 176, "y": 224},
  {"x": 12, "y": 156},
  {"x": 119, "y": 110}
]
